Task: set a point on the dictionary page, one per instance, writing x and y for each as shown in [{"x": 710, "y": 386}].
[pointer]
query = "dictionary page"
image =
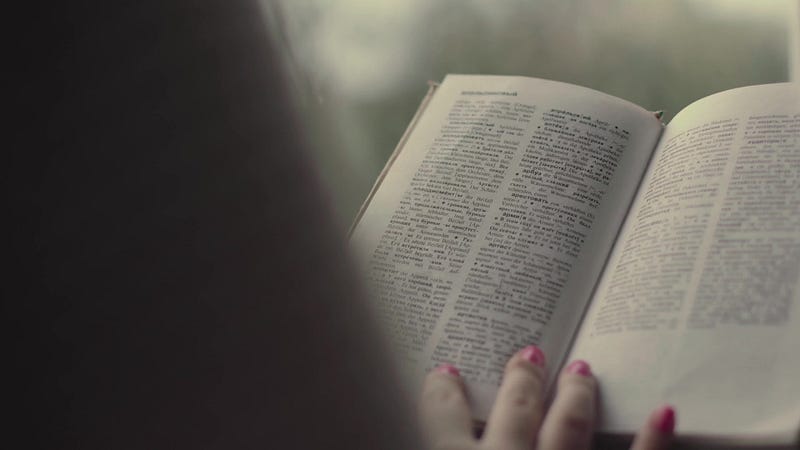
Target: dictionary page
[
  {"x": 700, "y": 305},
  {"x": 493, "y": 222}
]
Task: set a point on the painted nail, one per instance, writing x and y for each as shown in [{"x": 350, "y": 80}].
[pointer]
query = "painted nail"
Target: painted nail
[
  {"x": 579, "y": 367},
  {"x": 533, "y": 354},
  {"x": 448, "y": 369},
  {"x": 664, "y": 419}
]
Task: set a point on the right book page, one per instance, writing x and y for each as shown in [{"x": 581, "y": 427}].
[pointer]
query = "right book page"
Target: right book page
[{"x": 699, "y": 304}]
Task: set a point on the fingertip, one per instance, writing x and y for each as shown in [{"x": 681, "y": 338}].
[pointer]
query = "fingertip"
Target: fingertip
[
  {"x": 657, "y": 432},
  {"x": 663, "y": 419},
  {"x": 530, "y": 360},
  {"x": 444, "y": 373},
  {"x": 518, "y": 408},
  {"x": 579, "y": 367},
  {"x": 442, "y": 385},
  {"x": 444, "y": 410},
  {"x": 447, "y": 369},
  {"x": 578, "y": 373},
  {"x": 534, "y": 355},
  {"x": 570, "y": 421}
]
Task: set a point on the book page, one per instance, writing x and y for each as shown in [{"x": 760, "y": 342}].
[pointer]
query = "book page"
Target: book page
[
  {"x": 700, "y": 305},
  {"x": 493, "y": 223}
]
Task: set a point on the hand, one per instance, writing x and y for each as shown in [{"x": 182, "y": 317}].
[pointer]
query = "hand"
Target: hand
[{"x": 517, "y": 420}]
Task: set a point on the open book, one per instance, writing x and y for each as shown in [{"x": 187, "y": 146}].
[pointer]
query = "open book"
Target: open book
[{"x": 518, "y": 211}]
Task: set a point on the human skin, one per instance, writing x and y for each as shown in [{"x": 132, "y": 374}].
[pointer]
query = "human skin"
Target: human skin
[{"x": 518, "y": 420}]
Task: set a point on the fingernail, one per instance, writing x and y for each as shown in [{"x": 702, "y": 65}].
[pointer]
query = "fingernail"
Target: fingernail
[
  {"x": 579, "y": 367},
  {"x": 664, "y": 419},
  {"x": 533, "y": 354},
  {"x": 448, "y": 369}
]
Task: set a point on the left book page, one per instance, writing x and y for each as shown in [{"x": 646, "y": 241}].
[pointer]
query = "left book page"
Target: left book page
[{"x": 492, "y": 224}]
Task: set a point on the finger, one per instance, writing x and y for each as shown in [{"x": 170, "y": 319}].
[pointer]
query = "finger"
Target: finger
[
  {"x": 570, "y": 421},
  {"x": 656, "y": 434},
  {"x": 517, "y": 412},
  {"x": 445, "y": 414}
]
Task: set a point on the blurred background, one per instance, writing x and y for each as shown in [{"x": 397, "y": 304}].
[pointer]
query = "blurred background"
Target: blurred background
[{"x": 359, "y": 67}]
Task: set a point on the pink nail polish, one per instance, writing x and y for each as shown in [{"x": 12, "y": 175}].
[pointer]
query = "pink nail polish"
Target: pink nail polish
[
  {"x": 664, "y": 419},
  {"x": 579, "y": 367},
  {"x": 533, "y": 354},
  {"x": 448, "y": 369}
]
